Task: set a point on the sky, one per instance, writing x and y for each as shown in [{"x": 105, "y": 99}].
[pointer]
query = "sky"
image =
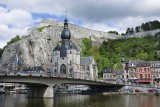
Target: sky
[{"x": 16, "y": 16}]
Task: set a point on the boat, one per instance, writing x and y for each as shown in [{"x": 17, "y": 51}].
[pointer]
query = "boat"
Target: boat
[{"x": 2, "y": 91}]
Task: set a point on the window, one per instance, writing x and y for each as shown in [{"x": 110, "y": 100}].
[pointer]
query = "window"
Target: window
[
  {"x": 88, "y": 68},
  {"x": 63, "y": 69},
  {"x": 141, "y": 76},
  {"x": 55, "y": 71},
  {"x": 126, "y": 71},
  {"x": 148, "y": 76},
  {"x": 70, "y": 63},
  {"x": 83, "y": 67},
  {"x": 71, "y": 70},
  {"x": 148, "y": 70},
  {"x": 140, "y": 69},
  {"x": 110, "y": 76},
  {"x": 144, "y": 69}
]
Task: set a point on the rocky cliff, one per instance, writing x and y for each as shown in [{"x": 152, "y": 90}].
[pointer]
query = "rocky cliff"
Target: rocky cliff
[{"x": 35, "y": 49}]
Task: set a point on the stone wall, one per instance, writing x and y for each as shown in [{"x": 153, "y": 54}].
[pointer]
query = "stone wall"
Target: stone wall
[{"x": 143, "y": 34}]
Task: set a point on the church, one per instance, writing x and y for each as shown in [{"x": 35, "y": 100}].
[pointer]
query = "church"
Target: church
[{"x": 67, "y": 62}]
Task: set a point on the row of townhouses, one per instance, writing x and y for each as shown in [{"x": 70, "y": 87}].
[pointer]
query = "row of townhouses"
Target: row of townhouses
[{"x": 135, "y": 72}]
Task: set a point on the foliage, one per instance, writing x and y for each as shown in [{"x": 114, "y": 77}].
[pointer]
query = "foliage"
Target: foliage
[
  {"x": 114, "y": 32},
  {"x": 1, "y": 52},
  {"x": 152, "y": 25},
  {"x": 111, "y": 51},
  {"x": 87, "y": 50},
  {"x": 15, "y": 39},
  {"x": 41, "y": 28}
]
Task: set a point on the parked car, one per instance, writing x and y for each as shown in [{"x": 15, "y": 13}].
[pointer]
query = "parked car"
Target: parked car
[
  {"x": 138, "y": 90},
  {"x": 152, "y": 90},
  {"x": 128, "y": 91}
]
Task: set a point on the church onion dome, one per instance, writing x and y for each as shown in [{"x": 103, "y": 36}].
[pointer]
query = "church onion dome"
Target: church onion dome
[{"x": 65, "y": 33}]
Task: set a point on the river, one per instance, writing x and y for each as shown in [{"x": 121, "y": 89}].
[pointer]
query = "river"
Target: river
[{"x": 78, "y": 100}]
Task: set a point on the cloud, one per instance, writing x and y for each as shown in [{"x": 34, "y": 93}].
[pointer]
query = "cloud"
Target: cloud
[
  {"x": 104, "y": 15},
  {"x": 90, "y": 11},
  {"x": 7, "y": 33},
  {"x": 13, "y": 22},
  {"x": 15, "y": 18}
]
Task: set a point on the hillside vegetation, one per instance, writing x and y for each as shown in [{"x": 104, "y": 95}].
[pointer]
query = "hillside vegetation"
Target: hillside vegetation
[
  {"x": 110, "y": 52},
  {"x": 13, "y": 40}
]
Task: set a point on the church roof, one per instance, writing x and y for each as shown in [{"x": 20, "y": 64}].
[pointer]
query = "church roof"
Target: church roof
[
  {"x": 86, "y": 60},
  {"x": 118, "y": 72},
  {"x": 69, "y": 47},
  {"x": 108, "y": 71},
  {"x": 57, "y": 48}
]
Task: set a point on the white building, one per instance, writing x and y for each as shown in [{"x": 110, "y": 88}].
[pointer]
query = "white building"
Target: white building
[{"x": 66, "y": 60}]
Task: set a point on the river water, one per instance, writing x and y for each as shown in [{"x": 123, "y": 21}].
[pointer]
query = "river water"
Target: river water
[{"x": 78, "y": 100}]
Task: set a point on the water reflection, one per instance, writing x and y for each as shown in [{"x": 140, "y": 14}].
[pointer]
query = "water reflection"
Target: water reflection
[{"x": 76, "y": 100}]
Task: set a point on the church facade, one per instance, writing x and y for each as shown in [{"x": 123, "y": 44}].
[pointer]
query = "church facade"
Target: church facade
[{"x": 66, "y": 60}]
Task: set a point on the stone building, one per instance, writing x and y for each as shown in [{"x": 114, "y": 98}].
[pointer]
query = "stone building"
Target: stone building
[
  {"x": 66, "y": 60},
  {"x": 141, "y": 71},
  {"x": 118, "y": 74},
  {"x": 108, "y": 75},
  {"x": 113, "y": 76},
  {"x": 155, "y": 68},
  {"x": 144, "y": 74}
]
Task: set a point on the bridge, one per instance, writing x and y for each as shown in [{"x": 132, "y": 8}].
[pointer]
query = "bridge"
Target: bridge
[{"x": 43, "y": 85}]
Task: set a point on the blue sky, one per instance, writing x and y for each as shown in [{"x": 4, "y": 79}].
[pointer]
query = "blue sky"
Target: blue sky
[{"x": 104, "y": 15}]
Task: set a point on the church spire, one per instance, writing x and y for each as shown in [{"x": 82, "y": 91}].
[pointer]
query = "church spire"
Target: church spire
[{"x": 65, "y": 33}]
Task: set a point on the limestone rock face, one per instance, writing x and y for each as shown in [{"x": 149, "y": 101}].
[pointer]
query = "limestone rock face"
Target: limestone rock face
[{"x": 35, "y": 49}]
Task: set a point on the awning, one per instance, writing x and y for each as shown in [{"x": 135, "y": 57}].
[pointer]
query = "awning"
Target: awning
[{"x": 144, "y": 80}]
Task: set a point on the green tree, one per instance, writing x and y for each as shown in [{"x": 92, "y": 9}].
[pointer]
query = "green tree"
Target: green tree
[
  {"x": 1, "y": 52},
  {"x": 128, "y": 30},
  {"x": 114, "y": 32},
  {"x": 137, "y": 29},
  {"x": 15, "y": 39}
]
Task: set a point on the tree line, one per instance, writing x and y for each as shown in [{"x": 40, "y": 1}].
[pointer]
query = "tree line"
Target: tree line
[{"x": 152, "y": 25}]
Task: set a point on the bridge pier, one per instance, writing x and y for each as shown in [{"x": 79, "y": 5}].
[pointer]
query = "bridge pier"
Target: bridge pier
[{"x": 41, "y": 91}]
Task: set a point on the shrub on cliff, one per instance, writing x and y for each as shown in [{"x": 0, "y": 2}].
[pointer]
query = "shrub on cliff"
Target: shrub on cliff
[
  {"x": 1, "y": 52},
  {"x": 15, "y": 39}
]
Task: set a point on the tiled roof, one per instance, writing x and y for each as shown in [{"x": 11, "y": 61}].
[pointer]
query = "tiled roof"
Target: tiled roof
[
  {"x": 86, "y": 60},
  {"x": 108, "y": 71}
]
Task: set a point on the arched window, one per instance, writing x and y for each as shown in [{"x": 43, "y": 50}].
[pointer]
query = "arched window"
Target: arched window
[
  {"x": 63, "y": 69},
  {"x": 70, "y": 63},
  {"x": 55, "y": 71},
  {"x": 71, "y": 70}
]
